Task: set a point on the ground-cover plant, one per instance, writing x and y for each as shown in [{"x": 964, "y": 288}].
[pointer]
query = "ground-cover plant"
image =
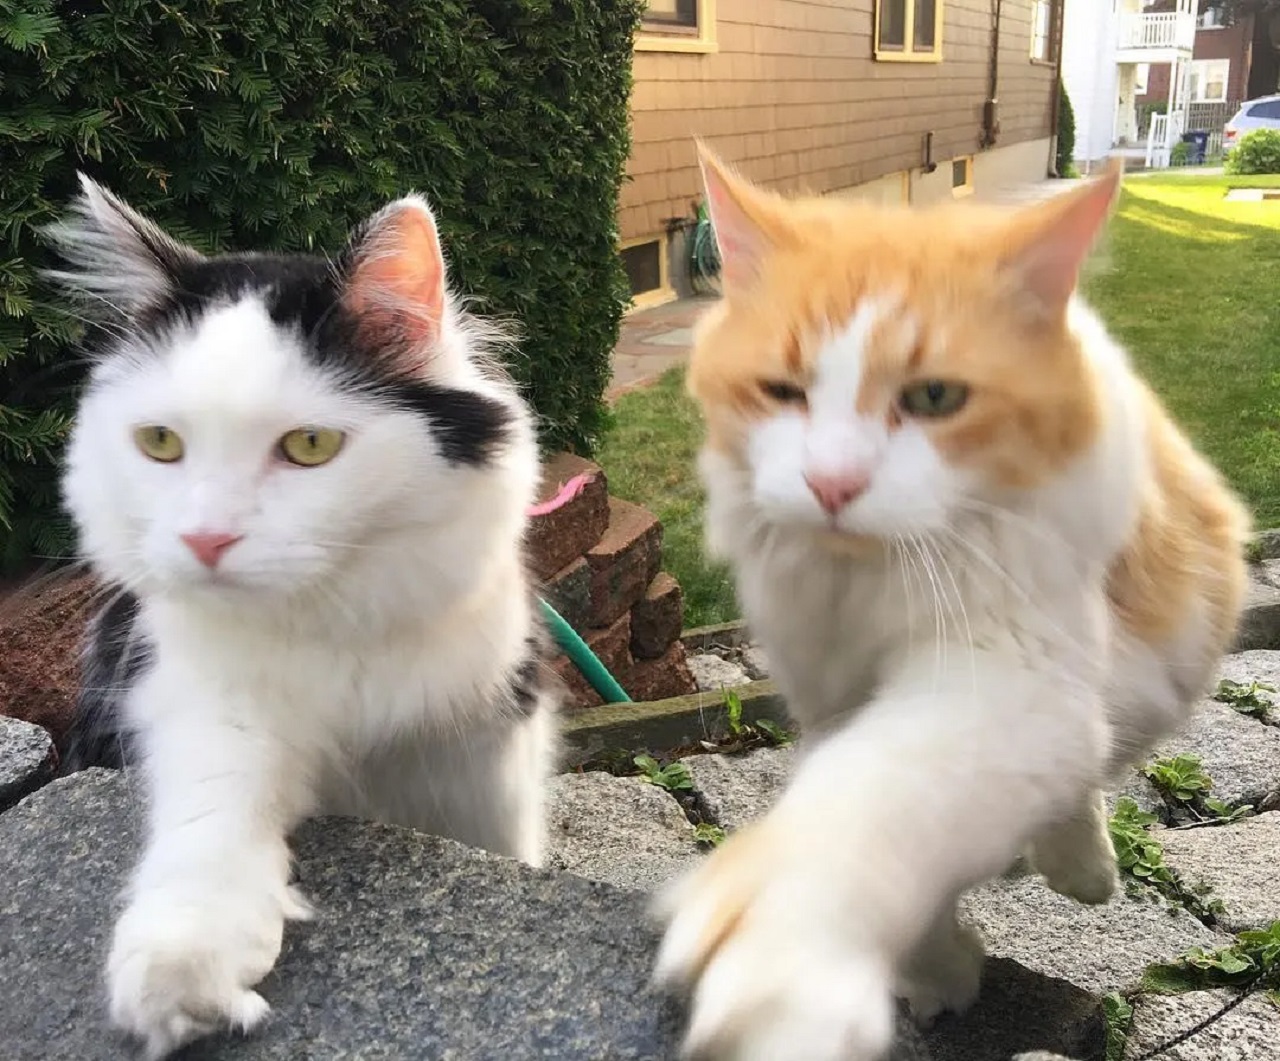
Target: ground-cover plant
[
  {"x": 1249, "y": 698},
  {"x": 674, "y": 777},
  {"x": 1140, "y": 856},
  {"x": 1253, "y": 957}
]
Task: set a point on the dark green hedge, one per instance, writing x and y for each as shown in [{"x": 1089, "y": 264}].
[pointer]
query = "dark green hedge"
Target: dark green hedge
[
  {"x": 278, "y": 124},
  {"x": 1064, "y": 163}
]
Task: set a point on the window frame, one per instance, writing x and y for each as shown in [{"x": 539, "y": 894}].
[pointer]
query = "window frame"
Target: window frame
[
  {"x": 1051, "y": 9},
  {"x": 959, "y": 191},
  {"x": 908, "y": 52},
  {"x": 664, "y": 292},
  {"x": 660, "y": 36},
  {"x": 1203, "y": 64}
]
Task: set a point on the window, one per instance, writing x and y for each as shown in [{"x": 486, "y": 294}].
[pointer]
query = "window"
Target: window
[
  {"x": 678, "y": 26},
  {"x": 667, "y": 13},
  {"x": 645, "y": 263},
  {"x": 1269, "y": 109},
  {"x": 1042, "y": 15},
  {"x": 1211, "y": 18},
  {"x": 909, "y": 30},
  {"x": 1140, "y": 78},
  {"x": 1207, "y": 80},
  {"x": 962, "y": 177}
]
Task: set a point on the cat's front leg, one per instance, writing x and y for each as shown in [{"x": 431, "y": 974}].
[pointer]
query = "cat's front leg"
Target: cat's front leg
[
  {"x": 793, "y": 936},
  {"x": 208, "y": 902},
  {"x": 1076, "y": 856}
]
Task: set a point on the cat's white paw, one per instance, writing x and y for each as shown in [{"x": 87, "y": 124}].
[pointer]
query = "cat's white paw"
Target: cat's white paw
[
  {"x": 184, "y": 966},
  {"x": 945, "y": 973},
  {"x": 1087, "y": 874},
  {"x": 768, "y": 978}
]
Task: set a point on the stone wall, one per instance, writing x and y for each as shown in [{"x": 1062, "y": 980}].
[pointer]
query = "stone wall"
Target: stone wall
[{"x": 599, "y": 561}]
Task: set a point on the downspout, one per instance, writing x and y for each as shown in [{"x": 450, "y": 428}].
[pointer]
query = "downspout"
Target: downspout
[
  {"x": 1055, "y": 32},
  {"x": 991, "y": 108}
]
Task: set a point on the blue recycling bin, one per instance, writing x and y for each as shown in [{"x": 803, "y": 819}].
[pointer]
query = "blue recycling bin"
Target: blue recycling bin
[{"x": 1199, "y": 141}]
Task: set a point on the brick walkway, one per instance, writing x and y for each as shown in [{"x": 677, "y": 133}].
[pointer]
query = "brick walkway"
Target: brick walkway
[{"x": 654, "y": 340}]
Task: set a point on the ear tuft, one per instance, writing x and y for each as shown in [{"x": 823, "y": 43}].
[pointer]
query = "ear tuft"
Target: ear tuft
[
  {"x": 116, "y": 258},
  {"x": 1050, "y": 242},
  {"x": 395, "y": 277},
  {"x": 743, "y": 218}
]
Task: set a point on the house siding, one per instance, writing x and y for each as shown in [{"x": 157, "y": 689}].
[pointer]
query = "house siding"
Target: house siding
[{"x": 794, "y": 97}]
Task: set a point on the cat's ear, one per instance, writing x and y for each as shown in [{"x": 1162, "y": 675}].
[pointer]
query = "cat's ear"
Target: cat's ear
[
  {"x": 115, "y": 257},
  {"x": 744, "y": 217},
  {"x": 1051, "y": 241},
  {"x": 395, "y": 273}
]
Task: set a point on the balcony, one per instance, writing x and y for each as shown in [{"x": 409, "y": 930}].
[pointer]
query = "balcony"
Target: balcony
[{"x": 1158, "y": 38}]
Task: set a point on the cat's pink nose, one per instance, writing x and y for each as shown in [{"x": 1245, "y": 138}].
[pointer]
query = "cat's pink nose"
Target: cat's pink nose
[
  {"x": 209, "y": 546},
  {"x": 835, "y": 491}
]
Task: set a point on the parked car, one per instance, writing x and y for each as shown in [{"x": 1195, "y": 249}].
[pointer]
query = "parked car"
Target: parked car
[{"x": 1260, "y": 113}]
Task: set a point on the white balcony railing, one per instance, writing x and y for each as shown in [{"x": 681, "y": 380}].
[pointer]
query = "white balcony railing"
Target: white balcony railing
[{"x": 1173, "y": 29}]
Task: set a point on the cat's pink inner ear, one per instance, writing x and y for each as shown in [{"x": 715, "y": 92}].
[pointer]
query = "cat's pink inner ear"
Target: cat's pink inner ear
[
  {"x": 735, "y": 215},
  {"x": 1051, "y": 250},
  {"x": 398, "y": 277}
]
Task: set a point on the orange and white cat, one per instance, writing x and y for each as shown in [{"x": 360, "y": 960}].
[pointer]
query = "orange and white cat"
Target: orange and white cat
[{"x": 989, "y": 573}]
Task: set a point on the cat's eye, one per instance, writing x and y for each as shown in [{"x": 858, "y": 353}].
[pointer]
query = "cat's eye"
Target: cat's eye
[
  {"x": 160, "y": 443},
  {"x": 933, "y": 397},
  {"x": 311, "y": 446},
  {"x": 780, "y": 390}
]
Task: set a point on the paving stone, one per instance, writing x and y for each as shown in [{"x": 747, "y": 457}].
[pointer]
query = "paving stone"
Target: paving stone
[
  {"x": 1139, "y": 789},
  {"x": 26, "y": 759},
  {"x": 1239, "y": 860},
  {"x": 1099, "y": 948},
  {"x": 714, "y": 673},
  {"x": 619, "y": 830},
  {"x": 657, "y": 619},
  {"x": 557, "y": 538},
  {"x": 624, "y": 561},
  {"x": 1242, "y": 756},
  {"x": 756, "y": 663},
  {"x": 739, "y": 788},
  {"x": 1250, "y": 1032},
  {"x": 422, "y": 948},
  {"x": 1017, "y": 1011},
  {"x": 1260, "y": 623}
]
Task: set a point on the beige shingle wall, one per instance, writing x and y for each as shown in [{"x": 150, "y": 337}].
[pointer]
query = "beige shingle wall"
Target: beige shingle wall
[{"x": 794, "y": 97}]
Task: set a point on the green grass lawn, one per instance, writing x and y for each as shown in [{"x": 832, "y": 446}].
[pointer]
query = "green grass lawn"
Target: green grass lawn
[{"x": 1187, "y": 281}]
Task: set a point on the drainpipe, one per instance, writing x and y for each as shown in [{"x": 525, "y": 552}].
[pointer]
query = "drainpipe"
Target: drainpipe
[
  {"x": 991, "y": 108},
  {"x": 1055, "y": 34}
]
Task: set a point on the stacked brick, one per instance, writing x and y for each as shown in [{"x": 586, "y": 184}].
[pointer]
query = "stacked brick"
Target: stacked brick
[{"x": 598, "y": 560}]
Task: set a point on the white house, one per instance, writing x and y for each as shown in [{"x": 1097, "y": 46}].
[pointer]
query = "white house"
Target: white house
[{"x": 1107, "y": 46}]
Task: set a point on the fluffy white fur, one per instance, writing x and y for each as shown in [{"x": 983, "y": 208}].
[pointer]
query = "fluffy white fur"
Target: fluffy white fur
[
  {"x": 976, "y": 656},
  {"x": 344, "y": 657}
]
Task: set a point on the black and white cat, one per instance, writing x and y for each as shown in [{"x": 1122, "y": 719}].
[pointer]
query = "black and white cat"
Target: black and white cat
[{"x": 309, "y": 484}]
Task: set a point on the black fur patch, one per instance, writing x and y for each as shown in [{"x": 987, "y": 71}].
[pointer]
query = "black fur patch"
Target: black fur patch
[
  {"x": 303, "y": 294},
  {"x": 112, "y": 659}
]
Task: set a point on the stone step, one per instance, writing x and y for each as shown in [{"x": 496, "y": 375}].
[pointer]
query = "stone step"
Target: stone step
[
  {"x": 624, "y": 561},
  {"x": 559, "y": 537}
]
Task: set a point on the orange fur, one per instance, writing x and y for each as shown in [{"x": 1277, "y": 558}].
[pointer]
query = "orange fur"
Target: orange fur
[{"x": 1035, "y": 401}]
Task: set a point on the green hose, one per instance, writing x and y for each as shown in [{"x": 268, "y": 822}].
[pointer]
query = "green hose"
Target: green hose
[{"x": 579, "y": 652}]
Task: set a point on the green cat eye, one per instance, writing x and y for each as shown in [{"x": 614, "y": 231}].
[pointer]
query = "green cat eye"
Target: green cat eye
[
  {"x": 310, "y": 447},
  {"x": 159, "y": 443},
  {"x": 933, "y": 397}
]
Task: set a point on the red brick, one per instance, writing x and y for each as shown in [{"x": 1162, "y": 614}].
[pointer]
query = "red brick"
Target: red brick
[
  {"x": 624, "y": 562},
  {"x": 577, "y": 690},
  {"x": 658, "y": 618},
  {"x": 560, "y": 537},
  {"x": 612, "y": 647},
  {"x": 656, "y": 679},
  {"x": 568, "y": 591}
]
